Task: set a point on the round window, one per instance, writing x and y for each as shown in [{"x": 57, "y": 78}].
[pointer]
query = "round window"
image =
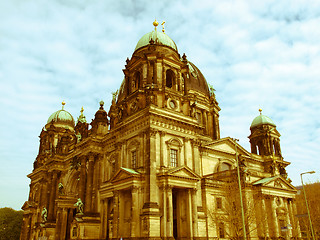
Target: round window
[{"x": 172, "y": 104}]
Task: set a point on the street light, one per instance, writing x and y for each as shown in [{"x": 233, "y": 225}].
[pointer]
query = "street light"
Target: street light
[
  {"x": 305, "y": 198},
  {"x": 240, "y": 190}
]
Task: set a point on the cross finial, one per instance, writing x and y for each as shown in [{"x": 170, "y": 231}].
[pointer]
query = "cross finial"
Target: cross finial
[
  {"x": 163, "y": 25},
  {"x": 82, "y": 110},
  {"x": 155, "y": 24},
  {"x": 63, "y": 103},
  {"x": 101, "y": 104}
]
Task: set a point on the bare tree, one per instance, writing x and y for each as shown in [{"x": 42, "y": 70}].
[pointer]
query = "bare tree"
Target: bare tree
[
  {"x": 313, "y": 196},
  {"x": 226, "y": 212}
]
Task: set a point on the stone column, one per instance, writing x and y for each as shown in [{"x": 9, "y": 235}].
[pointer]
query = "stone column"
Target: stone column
[
  {"x": 185, "y": 141},
  {"x": 135, "y": 212},
  {"x": 44, "y": 196},
  {"x": 189, "y": 214},
  {"x": 88, "y": 203},
  {"x": 63, "y": 223},
  {"x": 83, "y": 175},
  {"x": 164, "y": 211},
  {"x": 58, "y": 223},
  {"x": 151, "y": 185},
  {"x": 52, "y": 196},
  {"x": 275, "y": 218},
  {"x": 151, "y": 206},
  {"x": 264, "y": 216},
  {"x": 170, "y": 212},
  {"x": 104, "y": 218},
  {"x": 162, "y": 146},
  {"x": 194, "y": 212},
  {"x": 96, "y": 176},
  {"x": 288, "y": 219},
  {"x": 115, "y": 214},
  {"x": 193, "y": 154}
]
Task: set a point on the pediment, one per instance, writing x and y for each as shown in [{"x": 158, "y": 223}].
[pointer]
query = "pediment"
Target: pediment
[
  {"x": 183, "y": 172},
  {"x": 124, "y": 173},
  {"x": 227, "y": 145},
  {"x": 28, "y": 204},
  {"x": 275, "y": 182}
]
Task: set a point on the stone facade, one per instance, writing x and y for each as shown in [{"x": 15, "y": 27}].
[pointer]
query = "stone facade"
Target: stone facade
[{"x": 154, "y": 166}]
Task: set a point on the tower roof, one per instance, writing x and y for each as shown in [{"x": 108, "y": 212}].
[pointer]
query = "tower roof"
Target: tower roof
[
  {"x": 61, "y": 118},
  {"x": 262, "y": 120}
]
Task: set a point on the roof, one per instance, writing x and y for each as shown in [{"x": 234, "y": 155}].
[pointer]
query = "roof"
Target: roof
[
  {"x": 130, "y": 170},
  {"x": 61, "y": 118},
  {"x": 261, "y": 120},
  {"x": 158, "y": 38},
  {"x": 196, "y": 80},
  {"x": 264, "y": 180}
]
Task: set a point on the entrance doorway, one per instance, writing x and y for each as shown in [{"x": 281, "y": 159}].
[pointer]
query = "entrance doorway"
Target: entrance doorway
[
  {"x": 181, "y": 216},
  {"x": 174, "y": 208}
]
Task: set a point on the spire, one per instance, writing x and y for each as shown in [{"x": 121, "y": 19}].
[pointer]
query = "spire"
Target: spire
[
  {"x": 82, "y": 118},
  {"x": 163, "y": 25},
  {"x": 260, "y": 110},
  {"x": 101, "y": 105}
]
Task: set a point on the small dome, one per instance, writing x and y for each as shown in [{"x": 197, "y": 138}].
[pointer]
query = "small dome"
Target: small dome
[
  {"x": 261, "y": 120},
  {"x": 158, "y": 38},
  {"x": 61, "y": 118}
]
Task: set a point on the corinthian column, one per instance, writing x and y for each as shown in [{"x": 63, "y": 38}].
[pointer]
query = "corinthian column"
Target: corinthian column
[
  {"x": 82, "y": 190},
  {"x": 88, "y": 203},
  {"x": 170, "y": 212},
  {"x": 275, "y": 218},
  {"x": 52, "y": 196},
  {"x": 135, "y": 212}
]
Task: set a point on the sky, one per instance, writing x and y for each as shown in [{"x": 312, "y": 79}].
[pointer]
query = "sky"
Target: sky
[{"x": 256, "y": 54}]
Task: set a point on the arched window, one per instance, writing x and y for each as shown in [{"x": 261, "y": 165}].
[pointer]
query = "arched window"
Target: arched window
[
  {"x": 135, "y": 82},
  {"x": 225, "y": 166},
  {"x": 170, "y": 78}
]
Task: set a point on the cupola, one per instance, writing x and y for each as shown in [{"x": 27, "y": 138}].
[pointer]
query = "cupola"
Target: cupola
[
  {"x": 264, "y": 137},
  {"x": 61, "y": 119},
  {"x": 156, "y": 37}
]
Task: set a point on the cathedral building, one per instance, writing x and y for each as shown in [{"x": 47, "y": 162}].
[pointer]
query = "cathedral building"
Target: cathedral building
[{"x": 155, "y": 167}]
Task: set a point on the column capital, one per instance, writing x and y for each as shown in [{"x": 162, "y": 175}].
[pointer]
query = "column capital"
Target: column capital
[
  {"x": 169, "y": 187},
  {"x": 135, "y": 189},
  {"x": 91, "y": 156}
]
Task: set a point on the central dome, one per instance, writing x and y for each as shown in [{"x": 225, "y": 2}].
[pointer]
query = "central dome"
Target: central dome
[{"x": 158, "y": 38}]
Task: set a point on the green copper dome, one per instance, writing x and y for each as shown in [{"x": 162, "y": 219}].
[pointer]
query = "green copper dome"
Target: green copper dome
[
  {"x": 158, "y": 38},
  {"x": 62, "y": 119},
  {"x": 261, "y": 120}
]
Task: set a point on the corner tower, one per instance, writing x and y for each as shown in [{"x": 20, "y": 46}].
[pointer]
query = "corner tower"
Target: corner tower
[{"x": 264, "y": 138}]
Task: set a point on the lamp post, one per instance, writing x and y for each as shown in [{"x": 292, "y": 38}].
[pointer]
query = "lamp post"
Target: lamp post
[
  {"x": 240, "y": 190},
  {"x": 305, "y": 198}
]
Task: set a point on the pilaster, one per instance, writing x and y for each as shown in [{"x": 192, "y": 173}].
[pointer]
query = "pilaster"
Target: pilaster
[{"x": 88, "y": 197}]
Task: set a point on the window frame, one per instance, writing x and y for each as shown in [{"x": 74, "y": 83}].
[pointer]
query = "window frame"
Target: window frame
[
  {"x": 174, "y": 144},
  {"x": 134, "y": 158},
  {"x": 174, "y": 157}
]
